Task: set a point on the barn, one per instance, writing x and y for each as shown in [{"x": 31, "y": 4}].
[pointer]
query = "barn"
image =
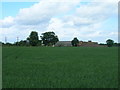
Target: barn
[{"x": 81, "y": 44}]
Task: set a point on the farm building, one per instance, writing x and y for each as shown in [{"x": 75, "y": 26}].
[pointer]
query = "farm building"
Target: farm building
[
  {"x": 89, "y": 44},
  {"x": 63, "y": 43},
  {"x": 81, "y": 44}
]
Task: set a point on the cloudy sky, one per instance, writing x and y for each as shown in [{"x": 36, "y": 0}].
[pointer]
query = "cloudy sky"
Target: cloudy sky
[{"x": 85, "y": 19}]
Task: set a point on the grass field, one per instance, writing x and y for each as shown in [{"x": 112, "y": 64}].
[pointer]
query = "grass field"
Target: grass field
[{"x": 60, "y": 67}]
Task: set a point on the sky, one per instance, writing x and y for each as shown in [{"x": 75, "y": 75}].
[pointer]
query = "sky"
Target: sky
[{"x": 86, "y": 20}]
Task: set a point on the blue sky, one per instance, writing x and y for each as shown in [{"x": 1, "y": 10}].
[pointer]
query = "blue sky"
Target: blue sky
[
  {"x": 12, "y": 8},
  {"x": 94, "y": 21}
]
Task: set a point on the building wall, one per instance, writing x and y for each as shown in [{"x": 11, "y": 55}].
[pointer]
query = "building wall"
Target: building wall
[
  {"x": 63, "y": 44},
  {"x": 81, "y": 44},
  {"x": 89, "y": 44}
]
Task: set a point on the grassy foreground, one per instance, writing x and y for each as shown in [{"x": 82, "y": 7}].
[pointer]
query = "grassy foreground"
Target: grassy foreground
[{"x": 60, "y": 67}]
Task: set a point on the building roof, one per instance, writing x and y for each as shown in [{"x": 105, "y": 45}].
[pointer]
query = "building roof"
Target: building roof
[
  {"x": 81, "y": 44},
  {"x": 63, "y": 43}
]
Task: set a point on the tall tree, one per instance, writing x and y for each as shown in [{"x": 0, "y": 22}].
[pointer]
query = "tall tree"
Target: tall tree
[
  {"x": 110, "y": 42},
  {"x": 33, "y": 38},
  {"x": 75, "y": 42},
  {"x": 49, "y": 38},
  {"x": 22, "y": 43}
]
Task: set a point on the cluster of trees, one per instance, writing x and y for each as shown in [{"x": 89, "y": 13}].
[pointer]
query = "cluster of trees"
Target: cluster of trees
[
  {"x": 109, "y": 43},
  {"x": 75, "y": 42},
  {"x": 47, "y": 39},
  {"x": 50, "y": 39}
]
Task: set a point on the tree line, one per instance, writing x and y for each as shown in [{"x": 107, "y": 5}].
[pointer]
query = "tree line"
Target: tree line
[
  {"x": 50, "y": 39},
  {"x": 109, "y": 43},
  {"x": 47, "y": 39}
]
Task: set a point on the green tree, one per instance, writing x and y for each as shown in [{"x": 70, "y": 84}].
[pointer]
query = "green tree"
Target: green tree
[
  {"x": 33, "y": 38},
  {"x": 75, "y": 42},
  {"x": 21, "y": 43},
  {"x": 8, "y": 44},
  {"x": 110, "y": 43},
  {"x": 119, "y": 44},
  {"x": 49, "y": 38},
  {"x": 39, "y": 43}
]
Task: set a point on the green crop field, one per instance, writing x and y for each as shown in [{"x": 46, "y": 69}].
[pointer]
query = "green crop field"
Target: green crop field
[{"x": 60, "y": 67}]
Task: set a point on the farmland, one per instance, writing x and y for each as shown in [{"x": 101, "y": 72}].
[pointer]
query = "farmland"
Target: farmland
[{"x": 60, "y": 67}]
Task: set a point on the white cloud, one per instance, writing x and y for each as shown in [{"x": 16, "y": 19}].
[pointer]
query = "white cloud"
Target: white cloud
[
  {"x": 42, "y": 12},
  {"x": 93, "y": 13},
  {"x": 7, "y": 22},
  {"x": 68, "y": 30},
  {"x": 60, "y": 0},
  {"x": 113, "y": 1},
  {"x": 85, "y": 22}
]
